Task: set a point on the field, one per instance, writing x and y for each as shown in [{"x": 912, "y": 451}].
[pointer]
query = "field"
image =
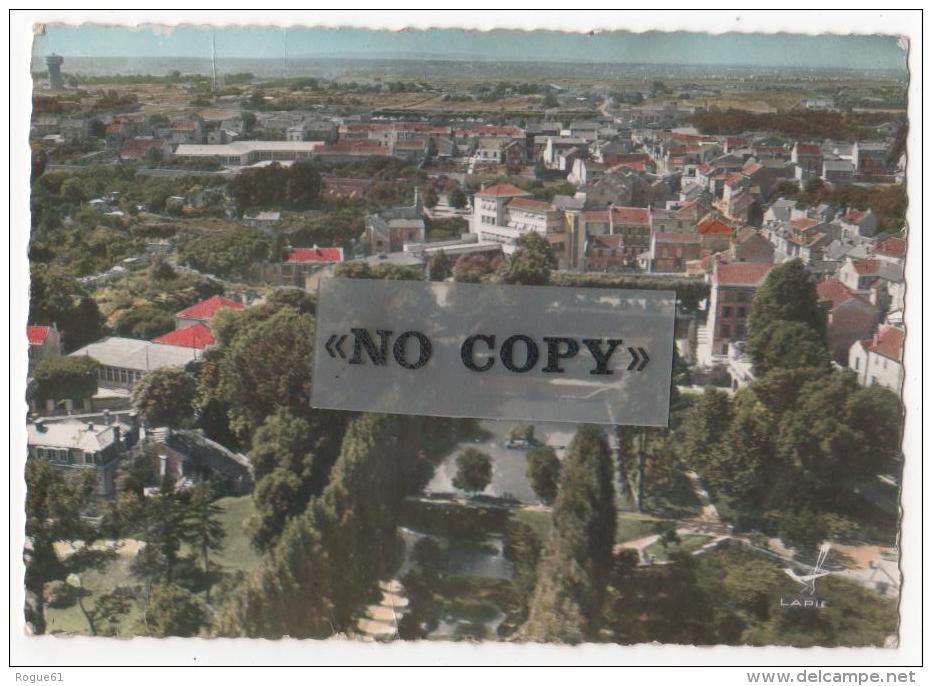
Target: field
[{"x": 237, "y": 554}]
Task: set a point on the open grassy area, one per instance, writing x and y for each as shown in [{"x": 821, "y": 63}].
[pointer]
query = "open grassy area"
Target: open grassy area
[
  {"x": 237, "y": 552},
  {"x": 689, "y": 542},
  {"x": 629, "y": 526}
]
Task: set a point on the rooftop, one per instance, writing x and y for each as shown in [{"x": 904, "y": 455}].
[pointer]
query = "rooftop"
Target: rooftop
[
  {"x": 887, "y": 342},
  {"x": 130, "y": 353},
  {"x": 740, "y": 273},
  {"x": 37, "y": 334},
  {"x": 314, "y": 255},
  {"x": 198, "y": 336},
  {"x": 710, "y": 226},
  {"x": 72, "y": 434},
  {"x": 502, "y": 190},
  {"x": 206, "y": 309}
]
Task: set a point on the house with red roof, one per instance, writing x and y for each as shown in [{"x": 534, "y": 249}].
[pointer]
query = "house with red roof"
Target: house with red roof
[
  {"x": 733, "y": 287},
  {"x": 892, "y": 249},
  {"x": 849, "y": 317},
  {"x": 204, "y": 311},
  {"x": 808, "y": 157},
  {"x": 670, "y": 251},
  {"x": 196, "y": 336},
  {"x": 44, "y": 342},
  {"x": 859, "y": 274},
  {"x": 714, "y": 234},
  {"x": 299, "y": 263},
  {"x": 858, "y": 223},
  {"x": 135, "y": 149},
  {"x": 878, "y": 360}
]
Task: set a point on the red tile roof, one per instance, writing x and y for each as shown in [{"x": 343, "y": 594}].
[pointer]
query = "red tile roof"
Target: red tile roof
[
  {"x": 530, "y": 204},
  {"x": 206, "y": 309},
  {"x": 595, "y": 215},
  {"x": 675, "y": 237},
  {"x": 710, "y": 226},
  {"x": 37, "y": 334},
  {"x": 605, "y": 242},
  {"x": 310, "y": 255},
  {"x": 501, "y": 190},
  {"x": 803, "y": 223},
  {"x": 866, "y": 267},
  {"x": 891, "y": 247},
  {"x": 136, "y": 148},
  {"x": 740, "y": 273},
  {"x": 887, "y": 342},
  {"x": 834, "y": 291},
  {"x": 808, "y": 149},
  {"x": 631, "y": 215},
  {"x": 198, "y": 336}
]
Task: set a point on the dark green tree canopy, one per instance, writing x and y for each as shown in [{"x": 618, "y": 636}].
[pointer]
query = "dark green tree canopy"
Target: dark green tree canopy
[
  {"x": 532, "y": 262},
  {"x": 543, "y": 471},
  {"x": 66, "y": 378},
  {"x": 164, "y": 397},
  {"x": 788, "y": 345},
  {"x": 473, "y": 471},
  {"x": 787, "y": 294}
]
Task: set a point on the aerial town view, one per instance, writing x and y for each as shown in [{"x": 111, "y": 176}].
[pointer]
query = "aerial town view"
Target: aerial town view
[{"x": 189, "y": 196}]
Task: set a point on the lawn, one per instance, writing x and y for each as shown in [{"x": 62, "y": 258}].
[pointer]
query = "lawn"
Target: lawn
[
  {"x": 628, "y": 525},
  {"x": 237, "y": 553},
  {"x": 689, "y": 542}
]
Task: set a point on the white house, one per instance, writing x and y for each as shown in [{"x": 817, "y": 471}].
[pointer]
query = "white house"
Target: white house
[{"x": 878, "y": 361}]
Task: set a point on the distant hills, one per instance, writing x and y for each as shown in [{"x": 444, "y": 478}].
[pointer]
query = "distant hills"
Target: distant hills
[{"x": 437, "y": 67}]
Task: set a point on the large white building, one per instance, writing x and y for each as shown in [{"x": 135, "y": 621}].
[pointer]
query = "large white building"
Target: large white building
[
  {"x": 503, "y": 213},
  {"x": 244, "y": 153},
  {"x": 124, "y": 361}
]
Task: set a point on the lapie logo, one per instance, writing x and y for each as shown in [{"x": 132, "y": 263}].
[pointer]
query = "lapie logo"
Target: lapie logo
[{"x": 807, "y": 597}]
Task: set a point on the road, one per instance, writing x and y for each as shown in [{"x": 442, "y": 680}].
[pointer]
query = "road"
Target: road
[{"x": 508, "y": 465}]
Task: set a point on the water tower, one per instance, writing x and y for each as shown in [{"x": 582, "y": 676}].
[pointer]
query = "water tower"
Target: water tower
[{"x": 54, "y": 62}]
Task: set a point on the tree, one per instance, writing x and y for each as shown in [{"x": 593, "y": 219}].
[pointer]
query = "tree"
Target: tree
[
  {"x": 145, "y": 322},
  {"x": 789, "y": 345},
  {"x": 439, "y": 267},
  {"x": 456, "y": 198},
  {"x": 787, "y": 294},
  {"x": 523, "y": 432},
  {"x": 473, "y": 471},
  {"x": 174, "y": 611},
  {"x": 543, "y": 471},
  {"x": 532, "y": 262},
  {"x": 164, "y": 397},
  {"x": 303, "y": 186},
  {"x": 204, "y": 529},
  {"x": 705, "y": 426},
  {"x": 577, "y": 561},
  {"x": 266, "y": 367},
  {"x": 430, "y": 197},
  {"x": 57, "y": 297},
  {"x": 66, "y": 378},
  {"x": 291, "y": 457},
  {"x": 53, "y": 507}
]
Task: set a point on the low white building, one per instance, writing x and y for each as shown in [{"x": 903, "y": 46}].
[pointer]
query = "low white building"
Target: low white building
[
  {"x": 124, "y": 361},
  {"x": 74, "y": 445},
  {"x": 244, "y": 153},
  {"x": 878, "y": 361}
]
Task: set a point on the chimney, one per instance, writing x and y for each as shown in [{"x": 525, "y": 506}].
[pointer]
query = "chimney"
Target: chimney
[
  {"x": 40, "y": 425},
  {"x": 90, "y": 426},
  {"x": 107, "y": 418}
]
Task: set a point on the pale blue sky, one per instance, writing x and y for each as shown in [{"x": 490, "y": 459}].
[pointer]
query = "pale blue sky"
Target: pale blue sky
[{"x": 852, "y": 52}]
